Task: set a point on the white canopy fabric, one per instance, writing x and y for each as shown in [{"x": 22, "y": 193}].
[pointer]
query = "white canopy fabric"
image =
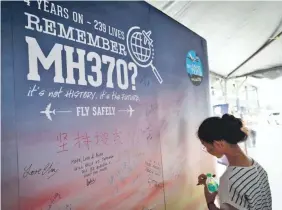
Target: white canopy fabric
[{"x": 234, "y": 32}]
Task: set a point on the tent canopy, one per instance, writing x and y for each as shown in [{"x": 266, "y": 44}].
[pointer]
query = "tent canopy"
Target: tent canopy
[{"x": 244, "y": 38}]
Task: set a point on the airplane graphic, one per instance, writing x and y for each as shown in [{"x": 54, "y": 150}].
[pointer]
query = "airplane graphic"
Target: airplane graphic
[
  {"x": 129, "y": 110},
  {"x": 194, "y": 59},
  {"x": 147, "y": 37},
  {"x": 48, "y": 112}
]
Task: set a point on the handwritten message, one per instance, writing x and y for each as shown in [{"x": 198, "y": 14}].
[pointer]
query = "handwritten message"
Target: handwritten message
[
  {"x": 119, "y": 177},
  {"x": 54, "y": 205},
  {"x": 127, "y": 161},
  {"x": 149, "y": 134},
  {"x": 154, "y": 172},
  {"x": 90, "y": 166},
  {"x": 54, "y": 198}
]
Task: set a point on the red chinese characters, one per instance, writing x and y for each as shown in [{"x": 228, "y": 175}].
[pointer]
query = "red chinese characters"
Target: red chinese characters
[
  {"x": 82, "y": 139},
  {"x": 117, "y": 137},
  {"x": 102, "y": 138},
  {"x": 62, "y": 138}
]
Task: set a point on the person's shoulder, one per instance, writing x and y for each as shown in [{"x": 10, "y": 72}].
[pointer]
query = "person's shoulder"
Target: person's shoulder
[
  {"x": 236, "y": 175},
  {"x": 243, "y": 177},
  {"x": 259, "y": 167},
  {"x": 226, "y": 174},
  {"x": 234, "y": 171}
]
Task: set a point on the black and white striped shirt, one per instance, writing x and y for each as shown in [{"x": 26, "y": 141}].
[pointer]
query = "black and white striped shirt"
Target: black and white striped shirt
[{"x": 245, "y": 188}]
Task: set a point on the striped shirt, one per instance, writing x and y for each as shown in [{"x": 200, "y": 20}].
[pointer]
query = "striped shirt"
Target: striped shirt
[{"x": 245, "y": 188}]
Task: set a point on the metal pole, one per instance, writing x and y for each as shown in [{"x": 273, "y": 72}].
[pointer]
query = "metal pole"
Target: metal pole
[
  {"x": 237, "y": 96},
  {"x": 225, "y": 91},
  {"x": 247, "y": 98},
  {"x": 256, "y": 89}
]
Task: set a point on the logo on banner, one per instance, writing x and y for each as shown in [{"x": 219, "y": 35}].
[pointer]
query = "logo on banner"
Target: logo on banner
[
  {"x": 194, "y": 67},
  {"x": 141, "y": 49}
]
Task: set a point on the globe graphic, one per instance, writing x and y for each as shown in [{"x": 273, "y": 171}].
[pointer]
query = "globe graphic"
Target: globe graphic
[{"x": 140, "y": 48}]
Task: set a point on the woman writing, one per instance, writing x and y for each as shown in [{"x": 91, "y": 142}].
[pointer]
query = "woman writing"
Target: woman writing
[{"x": 244, "y": 185}]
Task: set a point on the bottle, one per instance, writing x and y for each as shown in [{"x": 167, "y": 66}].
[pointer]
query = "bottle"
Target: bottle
[{"x": 211, "y": 183}]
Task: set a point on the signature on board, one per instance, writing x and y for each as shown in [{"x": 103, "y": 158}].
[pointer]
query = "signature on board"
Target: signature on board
[
  {"x": 47, "y": 171},
  {"x": 90, "y": 181}
]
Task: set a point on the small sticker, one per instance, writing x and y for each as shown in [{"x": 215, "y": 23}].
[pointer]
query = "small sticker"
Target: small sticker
[{"x": 194, "y": 68}]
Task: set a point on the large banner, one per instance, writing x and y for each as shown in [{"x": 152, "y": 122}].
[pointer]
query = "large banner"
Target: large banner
[{"x": 100, "y": 106}]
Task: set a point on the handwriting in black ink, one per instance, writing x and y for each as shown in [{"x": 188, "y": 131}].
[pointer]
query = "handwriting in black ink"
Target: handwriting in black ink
[
  {"x": 145, "y": 81},
  {"x": 90, "y": 181},
  {"x": 47, "y": 171},
  {"x": 57, "y": 196},
  {"x": 151, "y": 109}
]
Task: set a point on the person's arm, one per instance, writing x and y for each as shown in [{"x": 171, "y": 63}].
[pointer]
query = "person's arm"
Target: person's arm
[
  {"x": 210, "y": 197},
  {"x": 212, "y": 206},
  {"x": 225, "y": 206}
]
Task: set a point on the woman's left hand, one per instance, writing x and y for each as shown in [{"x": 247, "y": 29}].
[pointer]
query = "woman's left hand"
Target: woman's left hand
[{"x": 210, "y": 197}]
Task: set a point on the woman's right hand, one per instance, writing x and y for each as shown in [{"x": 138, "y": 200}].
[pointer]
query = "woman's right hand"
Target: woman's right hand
[
  {"x": 202, "y": 179},
  {"x": 210, "y": 197}
]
